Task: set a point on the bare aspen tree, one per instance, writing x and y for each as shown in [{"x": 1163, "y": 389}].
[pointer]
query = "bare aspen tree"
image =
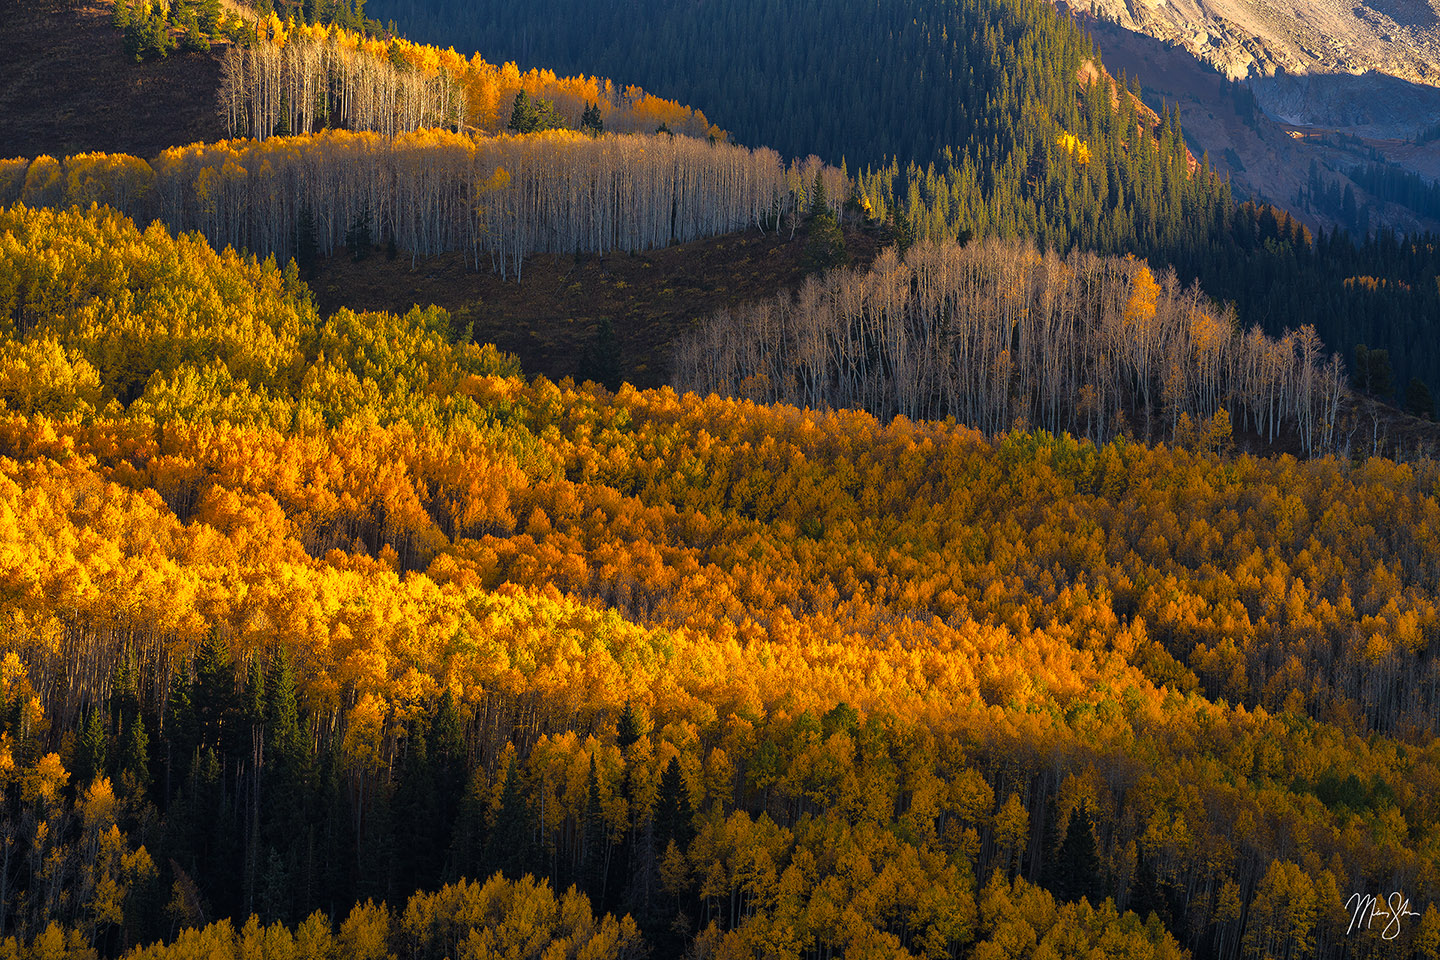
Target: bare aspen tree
[{"x": 995, "y": 333}]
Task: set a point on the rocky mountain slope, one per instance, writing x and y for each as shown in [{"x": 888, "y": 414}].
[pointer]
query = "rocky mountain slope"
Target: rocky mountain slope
[
  {"x": 1266, "y": 91},
  {"x": 1370, "y": 67}
]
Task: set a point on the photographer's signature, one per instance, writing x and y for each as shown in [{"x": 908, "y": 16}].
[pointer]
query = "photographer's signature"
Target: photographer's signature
[{"x": 1365, "y": 907}]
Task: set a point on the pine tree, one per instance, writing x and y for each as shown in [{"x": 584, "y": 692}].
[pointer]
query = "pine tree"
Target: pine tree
[
  {"x": 307, "y": 246},
  {"x": 627, "y": 729},
  {"x": 1077, "y": 864},
  {"x": 1418, "y": 400},
  {"x": 195, "y": 39},
  {"x": 417, "y": 858},
  {"x": 359, "y": 239},
  {"x": 124, "y": 695},
  {"x": 825, "y": 241},
  {"x": 508, "y": 848},
  {"x": 216, "y": 706},
  {"x": 467, "y": 840},
  {"x": 595, "y": 856},
  {"x": 590, "y": 120},
  {"x": 92, "y": 751},
  {"x": 674, "y": 819},
  {"x": 1378, "y": 375},
  {"x": 132, "y": 765},
  {"x": 601, "y": 362},
  {"x": 524, "y": 117},
  {"x": 181, "y": 736}
]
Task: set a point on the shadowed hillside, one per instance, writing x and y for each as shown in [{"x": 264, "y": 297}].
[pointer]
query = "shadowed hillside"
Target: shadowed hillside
[{"x": 84, "y": 94}]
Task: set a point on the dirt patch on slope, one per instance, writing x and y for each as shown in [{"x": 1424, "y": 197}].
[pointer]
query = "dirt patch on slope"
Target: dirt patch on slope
[
  {"x": 552, "y": 318},
  {"x": 67, "y": 87}
]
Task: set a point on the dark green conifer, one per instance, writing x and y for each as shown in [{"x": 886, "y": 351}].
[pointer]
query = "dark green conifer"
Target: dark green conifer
[
  {"x": 674, "y": 818},
  {"x": 1418, "y": 401},
  {"x": 509, "y": 848},
  {"x": 1077, "y": 864},
  {"x": 92, "y": 751},
  {"x": 132, "y": 765},
  {"x": 595, "y": 852}
]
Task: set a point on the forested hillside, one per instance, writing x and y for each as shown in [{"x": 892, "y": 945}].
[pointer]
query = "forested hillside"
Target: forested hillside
[
  {"x": 999, "y": 96},
  {"x": 316, "y": 628},
  {"x": 993, "y": 333},
  {"x": 498, "y": 199},
  {"x": 292, "y": 77}
]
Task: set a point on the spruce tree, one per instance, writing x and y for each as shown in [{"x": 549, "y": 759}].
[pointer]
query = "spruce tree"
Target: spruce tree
[
  {"x": 590, "y": 120},
  {"x": 284, "y": 740},
  {"x": 307, "y": 247},
  {"x": 1077, "y": 864},
  {"x": 1418, "y": 401},
  {"x": 358, "y": 239},
  {"x": 627, "y": 729},
  {"x": 596, "y": 845},
  {"x": 417, "y": 859},
  {"x": 214, "y": 699},
  {"x": 508, "y": 847},
  {"x": 601, "y": 362},
  {"x": 132, "y": 765},
  {"x": 524, "y": 117},
  {"x": 92, "y": 752},
  {"x": 181, "y": 736},
  {"x": 467, "y": 840},
  {"x": 674, "y": 819}
]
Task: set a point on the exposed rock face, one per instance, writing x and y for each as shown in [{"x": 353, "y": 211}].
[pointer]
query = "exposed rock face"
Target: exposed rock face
[{"x": 1370, "y": 66}]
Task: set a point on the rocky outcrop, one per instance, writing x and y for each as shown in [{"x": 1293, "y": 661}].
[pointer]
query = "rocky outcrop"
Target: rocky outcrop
[{"x": 1369, "y": 66}]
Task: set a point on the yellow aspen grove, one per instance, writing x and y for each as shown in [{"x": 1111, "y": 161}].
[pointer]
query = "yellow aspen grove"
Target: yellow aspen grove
[
  {"x": 432, "y": 191},
  {"x": 338, "y": 637},
  {"x": 992, "y": 333},
  {"x": 297, "y": 78}
]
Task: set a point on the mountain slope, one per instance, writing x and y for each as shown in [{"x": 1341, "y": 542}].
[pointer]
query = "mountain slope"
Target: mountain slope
[
  {"x": 1264, "y": 157},
  {"x": 1258, "y": 38},
  {"x": 337, "y": 611},
  {"x": 67, "y": 87}
]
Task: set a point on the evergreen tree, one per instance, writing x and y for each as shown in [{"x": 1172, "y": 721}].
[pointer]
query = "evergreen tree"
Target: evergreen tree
[
  {"x": 284, "y": 740},
  {"x": 275, "y": 889},
  {"x": 307, "y": 246},
  {"x": 601, "y": 361},
  {"x": 530, "y": 115},
  {"x": 627, "y": 729},
  {"x": 181, "y": 736},
  {"x": 376, "y": 854},
  {"x": 1360, "y": 377},
  {"x": 1146, "y": 897},
  {"x": 1378, "y": 375},
  {"x": 214, "y": 699},
  {"x": 1418, "y": 401},
  {"x": 467, "y": 840},
  {"x": 590, "y": 120},
  {"x": 825, "y": 242},
  {"x": 674, "y": 819},
  {"x": 1077, "y": 865},
  {"x": 124, "y": 695},
  {"x": 132, "y": 764},
  {"x": 92, "y": 751},
  {"x": 524, "y": 117},
  {"x": 208, "y": 14},
  {"x": 195, "y": 39},
  {"x": 595, "y": 856},
  {"x": 509, "y": 848},
  {"x": 418, "y": 840},
  {"x": 358, "y": 239}
]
